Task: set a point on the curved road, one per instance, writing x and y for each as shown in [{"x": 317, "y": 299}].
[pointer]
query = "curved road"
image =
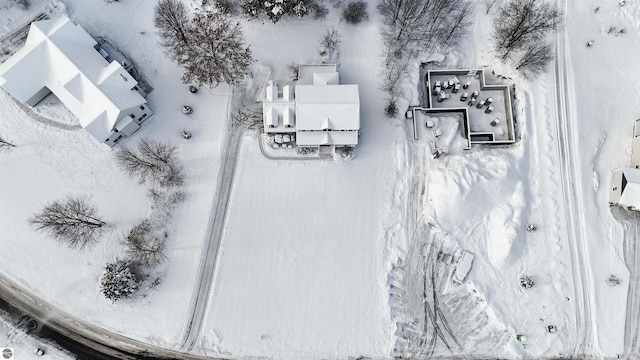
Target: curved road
[{"x": 78, "y": 331}]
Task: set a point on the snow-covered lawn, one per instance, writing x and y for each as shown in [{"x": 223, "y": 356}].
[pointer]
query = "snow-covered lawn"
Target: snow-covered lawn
[
  {"x": 49, "y": 163},
  {"x": 304, "y": 259}
]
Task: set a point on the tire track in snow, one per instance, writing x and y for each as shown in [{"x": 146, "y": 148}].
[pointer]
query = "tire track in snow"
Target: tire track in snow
[
  {"x": 630, "y": 223},
  {"x": 566, "y": 124}
]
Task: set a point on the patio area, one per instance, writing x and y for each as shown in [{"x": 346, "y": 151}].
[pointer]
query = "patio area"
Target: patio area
[{"x": 485, "y": 110}]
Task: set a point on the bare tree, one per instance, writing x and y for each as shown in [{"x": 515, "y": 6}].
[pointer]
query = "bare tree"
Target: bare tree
[
  {"x": 535, "y": 59},
  {"x": 429, "y": 26},
  {"x": 23, "y": 4},
  {"x": 293, "y": 71},
  {"x": 521, "y": 23},
  {"x": 146, "y": 245},
  {"x": 208, "y": 46},
  {"x": 394, "y": 74},
  {"x": 72, "y": 221},
  {"x": 120, "y": 279},
  {"x": 134, "y": 165},
  {"x": 329, "y": 45},
  {"x": 153, "y": 162},
  {"x": 218, "y": 54},
  {"x": 489, "y": 4},
  {"x": 171, "y": 19},
  {"x": 5, "y": 144}
]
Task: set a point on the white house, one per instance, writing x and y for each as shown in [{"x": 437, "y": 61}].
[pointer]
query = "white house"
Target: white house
[
  {"x": 625, "y": 188},
  {"x": 61, "y": 57},
  {"x": 319, "y": 111}
]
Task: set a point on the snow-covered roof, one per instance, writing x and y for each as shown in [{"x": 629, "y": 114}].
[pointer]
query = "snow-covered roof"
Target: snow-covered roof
[
  {"x": 60, "y": 56},
  {"x": 327, "y": 78},
  {"x": 307, "y": 73},
  {"x": 630, "y": 195},
  {"x": 278, "y": 117},
  {"x": 463, "y": 267},
  {"x": 330, "y": 107},
  {"x": 315, "y": 138}
]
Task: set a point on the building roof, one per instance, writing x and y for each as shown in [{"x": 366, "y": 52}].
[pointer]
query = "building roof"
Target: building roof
[
  {"x": 327, "y": 107},
  {"x": 60, "y": 56},
  {"x": 315, "y": 138},
  {"x": 630, "y": 195},
  {"x": 307, "y": 73},
  {"x": 326, "y": 78}
]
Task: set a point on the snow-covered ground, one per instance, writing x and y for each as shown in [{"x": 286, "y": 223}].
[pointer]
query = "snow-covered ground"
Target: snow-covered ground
[
  {"x": 49, "y": 163},
  {"x": 312, "y": 249},
  {"x": 23, "y": 345},
  {"x": 304, "y": 256},
  {"x": 605, "y": 105}
]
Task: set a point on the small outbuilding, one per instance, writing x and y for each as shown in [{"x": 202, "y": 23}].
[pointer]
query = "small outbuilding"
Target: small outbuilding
[{"x": 625, "y": 188}]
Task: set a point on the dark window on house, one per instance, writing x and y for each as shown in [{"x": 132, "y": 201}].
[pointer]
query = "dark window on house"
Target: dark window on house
[
  {"x": 117, "y": 139},
  {"x": 132, "y": 116},
  {"x": 141, "y": 107}
]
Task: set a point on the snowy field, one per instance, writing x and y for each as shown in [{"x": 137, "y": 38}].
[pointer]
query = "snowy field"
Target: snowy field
[
  {"x": 312, "y": 250},
  {"x": 304, "y": 256}
]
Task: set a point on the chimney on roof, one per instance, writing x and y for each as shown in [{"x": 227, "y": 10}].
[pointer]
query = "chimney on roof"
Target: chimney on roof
[
  {"x": 271, "y": 91},
  {"x": 287, "y": 92}
]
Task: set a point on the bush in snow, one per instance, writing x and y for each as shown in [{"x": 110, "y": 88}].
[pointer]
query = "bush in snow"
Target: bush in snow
[
  {"x": 23, "y": 4},
  {"x": 329, "y": 45},
  {"x": 293, "y": 71},
  {"x": 355, "y": 12},
  {"x": 5, "y": 144},
  {"x": 391, "y": 109},
  {"x": 120, "y": 279},
  {"x": 275, "y": 9},
  {"x": 226, "y": 7},
  {"x": 72, "y": 221},
  {"x": 319, "y": 11},
  {"x": 526, "y": 282},
  {"x": 146, "y": 245}
]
